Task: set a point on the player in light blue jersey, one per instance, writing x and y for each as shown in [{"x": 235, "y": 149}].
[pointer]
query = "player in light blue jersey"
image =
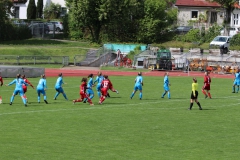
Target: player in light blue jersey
[
  {"x": 41, "y": 88},
  {"x": 99, "y": 80},
  {"x": 138, "y": 85},
  {"x": 18, "y": 89},
  {"x": 89, "y": 88},
  {"x": 236, "y": 82},
  {"x": 58, "y": 87},
  {"x": 166, "y": 85}
]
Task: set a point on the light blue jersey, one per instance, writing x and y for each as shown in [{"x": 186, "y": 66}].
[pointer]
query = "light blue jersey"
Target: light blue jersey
[
  {"x": 89, "y": 86},
  {"x": 237, "y": 79},
  {"x": 99, "y": 80},
  {"x": 166, "y": 83},
  {"x": 59, "y": 83},
  {"x": 42, "y": 84},
  {"x": 138, "y": 83},
  {"x": 18, "y": 88},
  {"x": 59, "y": 89}
]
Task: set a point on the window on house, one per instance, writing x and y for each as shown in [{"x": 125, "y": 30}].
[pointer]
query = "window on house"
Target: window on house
[
  {"x": 213, "y": 17},
  {"x": 235, "y": 19},
  {"x": 64, "y": 11},
  {"x": 16, "y": 12},
  {"x": 194, "y": 14}
]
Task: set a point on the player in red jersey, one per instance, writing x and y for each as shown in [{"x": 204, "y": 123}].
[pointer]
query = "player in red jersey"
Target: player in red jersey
[
  {"x": 111, "y": 88},
  {"x": 83, "y": 93},
  {"x": 24, "y": 86},
  {"x": 104, "y": 88},
  {"x": 206, "y": 87},
  {"x": 1, "y": 80}
]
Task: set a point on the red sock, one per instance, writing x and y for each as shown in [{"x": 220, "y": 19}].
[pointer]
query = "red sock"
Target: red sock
[
  {"x": 89, "y": 101},
  {"x": 204, "y": 92},
  {"x": 209, "y": 95}
]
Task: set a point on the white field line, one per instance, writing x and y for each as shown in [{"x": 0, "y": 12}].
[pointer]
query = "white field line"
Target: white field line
[{"x": 123, "y": 106}]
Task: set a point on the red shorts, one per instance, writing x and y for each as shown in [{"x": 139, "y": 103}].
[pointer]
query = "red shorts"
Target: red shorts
[
  {"x": 24, "y": 89},
  {"x": 83, "y": 95},
  {"x": 104, "y": 91},
  {"x": 206, "y": 87}
]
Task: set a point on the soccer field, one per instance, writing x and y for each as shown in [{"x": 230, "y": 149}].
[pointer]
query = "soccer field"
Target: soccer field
[{"x": 121, "y": 128}]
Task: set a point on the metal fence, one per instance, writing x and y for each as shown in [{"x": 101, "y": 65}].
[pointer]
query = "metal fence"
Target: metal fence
[{"x": 17, "y": 60}]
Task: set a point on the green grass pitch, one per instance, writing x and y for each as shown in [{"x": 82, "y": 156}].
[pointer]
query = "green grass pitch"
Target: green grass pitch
[{"x": 122, "y": 129}]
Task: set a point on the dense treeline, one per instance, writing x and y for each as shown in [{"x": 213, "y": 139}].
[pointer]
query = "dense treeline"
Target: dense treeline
[{"x": 120, "y": 20}]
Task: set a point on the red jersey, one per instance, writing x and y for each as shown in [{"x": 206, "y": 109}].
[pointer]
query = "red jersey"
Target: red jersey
[
  {"x": 207, "y": 80},
  {"x": 1, "y": 80},
  {"x": 83, "y": 87},
  {"x": 110, "y": 84},
  {"x": 106, "y": 84},
  {"x": 28, "y": 82}
]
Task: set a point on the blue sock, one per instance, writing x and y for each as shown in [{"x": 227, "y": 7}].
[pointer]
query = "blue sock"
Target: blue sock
[
  {"x": 91, "y": 96},
  {"x": 163, "y": 94},
  {"x": 65, "y": 96},
  {"x": 12, "y": 98},
  {"x": 99, "y": 94},
  {"x": 45, "y": 97},
  {"x": 24, "y": 100},
  {"x": 132, "y": 95},
  {"x": 56, "y": 95},
  {"x": 169, "y": 96},
  {"x": 140, "y": 95},
  {"x": 38, "y": 98}
]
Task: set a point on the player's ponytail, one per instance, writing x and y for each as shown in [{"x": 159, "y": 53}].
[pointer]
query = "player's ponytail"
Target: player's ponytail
[{"x": 90, "y": 75}]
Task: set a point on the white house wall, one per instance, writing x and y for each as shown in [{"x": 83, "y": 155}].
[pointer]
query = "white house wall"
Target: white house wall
[
  {"x": 184, "y": 15},
  {"x": 23, "y": 7}
]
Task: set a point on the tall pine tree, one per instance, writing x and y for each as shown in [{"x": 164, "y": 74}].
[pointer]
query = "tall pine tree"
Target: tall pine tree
[
  {"x": 31, "y": 10},
  {"x": 39, "y": 8}
]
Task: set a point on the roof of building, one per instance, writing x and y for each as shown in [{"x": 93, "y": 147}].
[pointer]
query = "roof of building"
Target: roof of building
[
  {"x": 236, "y": 5},
  {"x": 196, "y": 3}
]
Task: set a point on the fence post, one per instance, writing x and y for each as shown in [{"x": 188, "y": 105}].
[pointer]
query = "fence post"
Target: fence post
[
  {"x": 18, "y": 60},
  {"x": 34, "y": 60}
]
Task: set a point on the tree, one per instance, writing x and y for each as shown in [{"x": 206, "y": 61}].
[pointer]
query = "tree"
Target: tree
[
  {"x": 153, "y": 22},
  {"x": 5, "y": 10},
  {"x": 52, "y": 11},
  {"x": 31, "y": 10},
  {"x": 39, "y": 8}
]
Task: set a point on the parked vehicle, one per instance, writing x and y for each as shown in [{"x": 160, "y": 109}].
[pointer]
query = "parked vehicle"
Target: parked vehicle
[
  {"x": 230, "y": 32},
  {"x": 161, "y": 61},
  {"x": 39, "y": 28},
  {"x": 183, "y": 29},
  {"x": 58, "y": 26},
  {"x": 221, "y": 42}
]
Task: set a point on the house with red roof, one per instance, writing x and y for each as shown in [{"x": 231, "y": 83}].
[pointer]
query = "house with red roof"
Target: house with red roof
[{"x": 199, "y": 12}]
